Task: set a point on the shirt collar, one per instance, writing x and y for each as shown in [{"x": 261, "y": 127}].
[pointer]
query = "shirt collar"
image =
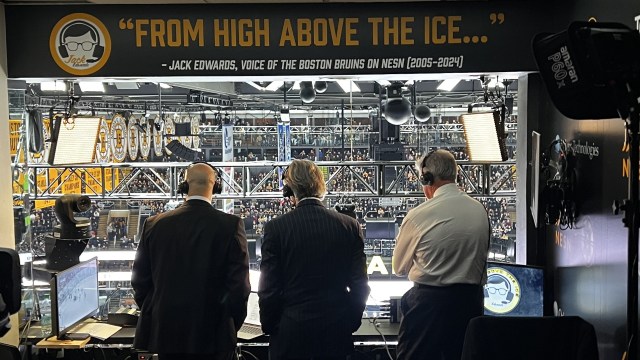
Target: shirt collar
[
  {"x": 445, "y": 189},
  {"x": 198, "y": 197}
]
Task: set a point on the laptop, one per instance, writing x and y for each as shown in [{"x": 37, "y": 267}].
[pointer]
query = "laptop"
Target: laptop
[{"x": 251, "y": 328}]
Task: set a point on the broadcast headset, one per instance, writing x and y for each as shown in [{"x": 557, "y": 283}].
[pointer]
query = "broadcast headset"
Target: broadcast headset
[
  {"x": 287, "y": 192},
  {"x": 98, "y": 49},
  {"x": 183, "y": 187},
  {"x": 426, "y": 177}
]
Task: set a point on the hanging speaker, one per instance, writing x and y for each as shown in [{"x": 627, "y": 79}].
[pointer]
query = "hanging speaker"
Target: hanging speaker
[
  {"x": 320, "y": 86},
  {"x": 422, "y": 113},
  {"x": 307, "y": 92}
]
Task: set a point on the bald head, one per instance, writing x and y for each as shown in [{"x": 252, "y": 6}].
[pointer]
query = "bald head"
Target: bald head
[{"x": 201, "y": 178}]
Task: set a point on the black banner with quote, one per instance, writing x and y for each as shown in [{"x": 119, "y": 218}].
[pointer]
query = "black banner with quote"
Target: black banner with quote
[{"x": 271, "y": 39}]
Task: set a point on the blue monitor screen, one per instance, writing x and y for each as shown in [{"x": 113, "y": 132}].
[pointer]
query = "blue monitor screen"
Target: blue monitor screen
[
  {"x": 513, "y": 290},
  {"x": 75, "y": 295}
]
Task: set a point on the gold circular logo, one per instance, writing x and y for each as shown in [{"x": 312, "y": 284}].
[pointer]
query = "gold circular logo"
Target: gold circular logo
[
  {"x": 144, "y": 138},
  {"x": 195, "y": 131},
  {"x": 118, "y": 138},
  {"x": 103, "y": 147},
  {"x": 80, "y": 44},
  {"x": 133, "y": 138},
  {"x": 502, "y": 291},
  {"x": 169, "y": 129},
  {"x": 157, "y": 139}
]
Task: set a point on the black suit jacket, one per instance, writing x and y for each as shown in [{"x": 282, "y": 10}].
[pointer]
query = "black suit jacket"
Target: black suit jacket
[
  {"x": 191, "y": 279},
  {"x": 313, "y": 282}
]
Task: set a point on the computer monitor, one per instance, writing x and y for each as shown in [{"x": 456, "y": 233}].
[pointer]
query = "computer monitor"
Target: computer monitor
[
  {"x": 380, "y": 229},
  {"x": 74, "y": 297},
  {"x": 514, "y": 290}
]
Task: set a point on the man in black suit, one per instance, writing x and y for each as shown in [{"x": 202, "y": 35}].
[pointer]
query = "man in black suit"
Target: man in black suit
[
  {"x": 313, "y": 280},
  {"x": 191, "y": 277}
]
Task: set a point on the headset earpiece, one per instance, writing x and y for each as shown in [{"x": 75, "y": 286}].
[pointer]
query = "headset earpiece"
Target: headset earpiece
[
  {"x": 62, "y": 49},
  {"x": 426, "y": 177}
]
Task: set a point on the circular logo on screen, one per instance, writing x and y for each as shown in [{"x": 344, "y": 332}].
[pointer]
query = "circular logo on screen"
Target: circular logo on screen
[
  {"x": 502, "y": 291},
  {"x": 80, "y": 44}
]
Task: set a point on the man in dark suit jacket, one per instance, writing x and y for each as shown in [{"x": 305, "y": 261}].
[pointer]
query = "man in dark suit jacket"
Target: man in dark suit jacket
[
  {"x": 313, "y": 280},
  {"x": 191, "y": 277}
]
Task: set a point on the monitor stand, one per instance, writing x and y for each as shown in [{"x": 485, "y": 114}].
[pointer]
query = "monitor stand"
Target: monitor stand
[{"x": 75, "y": 336}]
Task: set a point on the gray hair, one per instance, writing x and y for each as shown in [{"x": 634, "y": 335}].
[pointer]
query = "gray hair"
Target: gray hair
[
  {"x": 440, "y": 163},
  {"x": 305, "y": 179}
]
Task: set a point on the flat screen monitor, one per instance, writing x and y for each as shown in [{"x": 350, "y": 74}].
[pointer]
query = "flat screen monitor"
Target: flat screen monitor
[
  {"x": 74, "y": 296},
  {"x": 381, "y": 229},
  {"x": 514, "y": 290}
]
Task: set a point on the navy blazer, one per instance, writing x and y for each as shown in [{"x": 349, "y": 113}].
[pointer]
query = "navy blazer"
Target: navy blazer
[
  {"x": 313, "y": 282},
  {"x": 191, "y": 280}
]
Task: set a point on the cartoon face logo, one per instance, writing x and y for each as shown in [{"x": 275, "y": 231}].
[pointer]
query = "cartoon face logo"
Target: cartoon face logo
[
  {"x": 502, "y": 291},
  {"x": 80, "y": 44}
]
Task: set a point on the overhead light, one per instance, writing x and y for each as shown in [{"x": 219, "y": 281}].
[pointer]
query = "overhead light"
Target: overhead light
[
  {"x": 254, "y": 85},
  {"x": 126, "y": 85},
  {"x": 384, "y": 82},
  {"x": 296, "y": 86},
  {"x": 348, "y": 86},
  {"x": 448, "y": 84},
  {"x": 274, "y": 86},
  {"x": 74, "y": 141},
  {"x": 53, "y": 86},
  {"x": 94, "y": 86},
  {"x": 485, "y": 136},
  {"x": 165, "y": 86},
  {"x": 284, "y": 114}
]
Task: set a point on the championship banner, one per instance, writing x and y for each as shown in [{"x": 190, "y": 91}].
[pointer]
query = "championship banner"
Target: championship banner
[
  {"x": 43, "y": 204},
  {"x": 71, "y": 183},
  {"x": 284, "y": 147},
  {"x": 227, "y": 156},
  {"x": 272, "y": 39},
  {"x": 93, "y": 181}
]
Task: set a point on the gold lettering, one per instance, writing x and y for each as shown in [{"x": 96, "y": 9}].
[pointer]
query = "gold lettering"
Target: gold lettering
[
  {"x": 336, "y": 31},
  {"x": 304, "y": 32},
  {"x": 246, "y": 38},
  {"x": 320, "y": 32},
  {"x": 438, "y": 20},
  {"x": 174, "y": 33},
  {"x": 287, "y": 34},
  {"x": 140, "y": 32},
  {"x": 453, "y": 30},
  {"x": 261, "y": 32},
  {"x": 193, "y": 33},
  {"x": 221, "y": 31},
  {"x": 157, "y": 32},
  {"x": 350, "y": 32},
  {"x": 375, "y": 22},
  {"x": 406, "y": 30}
]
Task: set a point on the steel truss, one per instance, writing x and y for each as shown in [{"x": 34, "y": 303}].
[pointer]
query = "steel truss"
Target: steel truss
[{"x": 386, "y": 179}]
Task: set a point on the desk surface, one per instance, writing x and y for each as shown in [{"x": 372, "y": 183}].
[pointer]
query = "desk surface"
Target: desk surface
[{"x": 367, "y": 332}]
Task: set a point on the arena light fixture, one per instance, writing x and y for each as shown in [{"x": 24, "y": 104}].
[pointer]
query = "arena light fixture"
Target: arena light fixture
[
  {"x": 485, "y": 136},
  {"x": 165, "y": 86},
  {"x": 91, "y": 86},
  {"x": 53, "y": 86},
  {"x": 74, "y": 140},
  {"x": 348, "y": 86},
  {"x": 274, "y": 86},
  {"x": 126, "y": 85},
  {"x": 448, "y": 84}
]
